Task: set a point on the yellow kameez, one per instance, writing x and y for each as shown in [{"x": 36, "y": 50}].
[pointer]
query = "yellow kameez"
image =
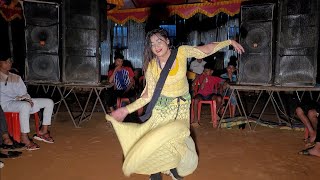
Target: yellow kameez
[{"x": 163, "y": 142}]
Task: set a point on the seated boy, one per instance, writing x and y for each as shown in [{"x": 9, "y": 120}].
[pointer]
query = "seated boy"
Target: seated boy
[
  {"x": 308, "y": 112},
  {"x": 206, "y": 87},
  {"x": 230, "y": 77},
  {"x": 122, "y": 77},
  {"x": 15, "y": 98}
]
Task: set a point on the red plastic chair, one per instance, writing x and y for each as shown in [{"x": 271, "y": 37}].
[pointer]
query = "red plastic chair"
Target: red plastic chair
[
  {"x": 212, "y": 103},
  {"x": 306, "y": 133},
  {"x": 213, "y": 109},
  {"x": 13, "y": 123}
]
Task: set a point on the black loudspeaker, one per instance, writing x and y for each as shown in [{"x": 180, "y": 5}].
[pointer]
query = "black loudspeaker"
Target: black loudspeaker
[
  {"x": 256, "y": 36},
  {"x": 81, "y": 42},
  {"x": 297, "y": 48},
  {"x": 43, "y": 67},
  {"x": 49, "y": 35},
  {"x": 42, "y": 41}
]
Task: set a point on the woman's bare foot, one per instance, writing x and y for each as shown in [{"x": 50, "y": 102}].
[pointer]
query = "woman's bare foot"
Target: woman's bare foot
[{"x": 315, "y": 151}]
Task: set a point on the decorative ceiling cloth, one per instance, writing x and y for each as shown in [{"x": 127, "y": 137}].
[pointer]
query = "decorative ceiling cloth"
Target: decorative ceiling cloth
[
  {"x": 185, "y": 11},
  {"x": 11, "y": 11},
  {"x": 114, "y": 4}
]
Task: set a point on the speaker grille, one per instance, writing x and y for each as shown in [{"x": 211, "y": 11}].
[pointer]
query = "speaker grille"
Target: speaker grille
[
  {"x": 42, "y": 41},
  {"x": 43, "y": 68},
  {"x": 257, "y": 13},
  {"x": 258, "y": 37},
  {"x": 81, "y": 69},
  {"x": 81, "y": 62},
  {"x": 255, "y": 65},
  {"x": 41, "y": 14},
  {"x": 293, "y": 70},
  {"x": 34, "y": 34},
  {"x": 297, "y": 46}
]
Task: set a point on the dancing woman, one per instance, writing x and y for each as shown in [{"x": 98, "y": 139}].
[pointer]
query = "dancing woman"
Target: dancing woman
[{"x": 163, "y": 143}]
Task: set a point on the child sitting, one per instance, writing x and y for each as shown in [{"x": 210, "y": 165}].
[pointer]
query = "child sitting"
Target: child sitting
[
  {"x": 206, "y": 87},
  {"x": 230, "y": 77}
]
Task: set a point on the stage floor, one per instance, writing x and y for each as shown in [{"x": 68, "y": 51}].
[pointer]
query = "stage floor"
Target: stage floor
[{"x": 93, "y": 152}]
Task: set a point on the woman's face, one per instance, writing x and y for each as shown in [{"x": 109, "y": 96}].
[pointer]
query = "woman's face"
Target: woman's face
[{"x": 159, "y": 45}]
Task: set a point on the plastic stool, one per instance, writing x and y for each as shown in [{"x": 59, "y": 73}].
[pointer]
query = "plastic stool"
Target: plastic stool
[
  {"x": 306, "y": 133},
  {"x": 13, "y": 123},
  {"x": 213, "y": 108}
]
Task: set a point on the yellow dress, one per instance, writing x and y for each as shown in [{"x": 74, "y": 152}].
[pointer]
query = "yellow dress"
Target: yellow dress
[{"x": 163, "y": 142}]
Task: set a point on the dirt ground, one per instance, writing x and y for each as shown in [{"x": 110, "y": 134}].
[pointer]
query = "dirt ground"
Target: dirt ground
[{"x": 93, "y": 152}]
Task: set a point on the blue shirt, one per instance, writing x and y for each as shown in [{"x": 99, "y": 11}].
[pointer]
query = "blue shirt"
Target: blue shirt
[{"x": 226, "y": 77}]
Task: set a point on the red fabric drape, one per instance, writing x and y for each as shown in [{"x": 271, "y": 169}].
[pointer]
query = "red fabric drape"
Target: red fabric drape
[
  {"x": 185, "y": 11},
  {"x": 10, "y": 12}
]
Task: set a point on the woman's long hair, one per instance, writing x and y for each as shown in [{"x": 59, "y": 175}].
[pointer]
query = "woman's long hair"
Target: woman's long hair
[{"x": 148, "y": 54}]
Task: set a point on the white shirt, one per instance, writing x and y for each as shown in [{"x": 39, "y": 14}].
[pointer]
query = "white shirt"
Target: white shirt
[
  {"x": 197, "y": 67},
  {"x": 12, "y": 88}
]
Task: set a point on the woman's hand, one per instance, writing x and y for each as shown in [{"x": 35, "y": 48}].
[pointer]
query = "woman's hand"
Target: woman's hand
[
  {"x": 237, "y": 47},
  {"x": 120, "y": 114}
]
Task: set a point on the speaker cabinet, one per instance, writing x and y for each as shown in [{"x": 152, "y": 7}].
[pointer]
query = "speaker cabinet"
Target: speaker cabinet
[
  {"x": 256, "y": 36},
  {"x": 49, "y": 35},
  {"x": 83, "y": 68},
  {"x": 297, "y": 48},
  {"x": 81, "y": 42},
  {"x": 42, "y": 41},
  {"x": 43, "y": 67}
]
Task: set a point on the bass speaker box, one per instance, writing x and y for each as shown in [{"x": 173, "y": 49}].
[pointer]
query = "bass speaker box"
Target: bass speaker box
[
  {"x": 42, "y": 41},
  {"x": 81, "y": 42},
  {"x": 256, "y": 36},
  {"x": 43, "y": 67},
  {"x": 297, "y": 45}
]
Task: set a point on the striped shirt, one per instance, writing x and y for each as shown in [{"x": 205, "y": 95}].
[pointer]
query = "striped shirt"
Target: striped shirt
[{"x": 122, "y": 78}]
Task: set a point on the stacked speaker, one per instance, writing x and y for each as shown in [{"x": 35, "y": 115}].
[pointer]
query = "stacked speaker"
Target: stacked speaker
[
  {"x": 297, "y": 47},
  {"x": 78, "y": 55},
  {"x": 281, "y": 43},
  {"x": 81, "y": 42},
  {"x": 42, "y": 41},
  {"x": 257, "y": 38}
]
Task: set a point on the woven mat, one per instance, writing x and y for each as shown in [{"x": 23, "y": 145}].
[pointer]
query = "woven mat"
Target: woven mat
[{"x": 230, "y": 122}]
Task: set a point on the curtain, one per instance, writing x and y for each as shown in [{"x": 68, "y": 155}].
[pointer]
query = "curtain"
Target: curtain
[{"x": 136, "y": 38}]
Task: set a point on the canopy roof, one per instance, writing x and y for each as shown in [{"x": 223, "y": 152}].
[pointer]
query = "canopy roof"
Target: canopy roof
[{"x": 139, "y": 10}]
